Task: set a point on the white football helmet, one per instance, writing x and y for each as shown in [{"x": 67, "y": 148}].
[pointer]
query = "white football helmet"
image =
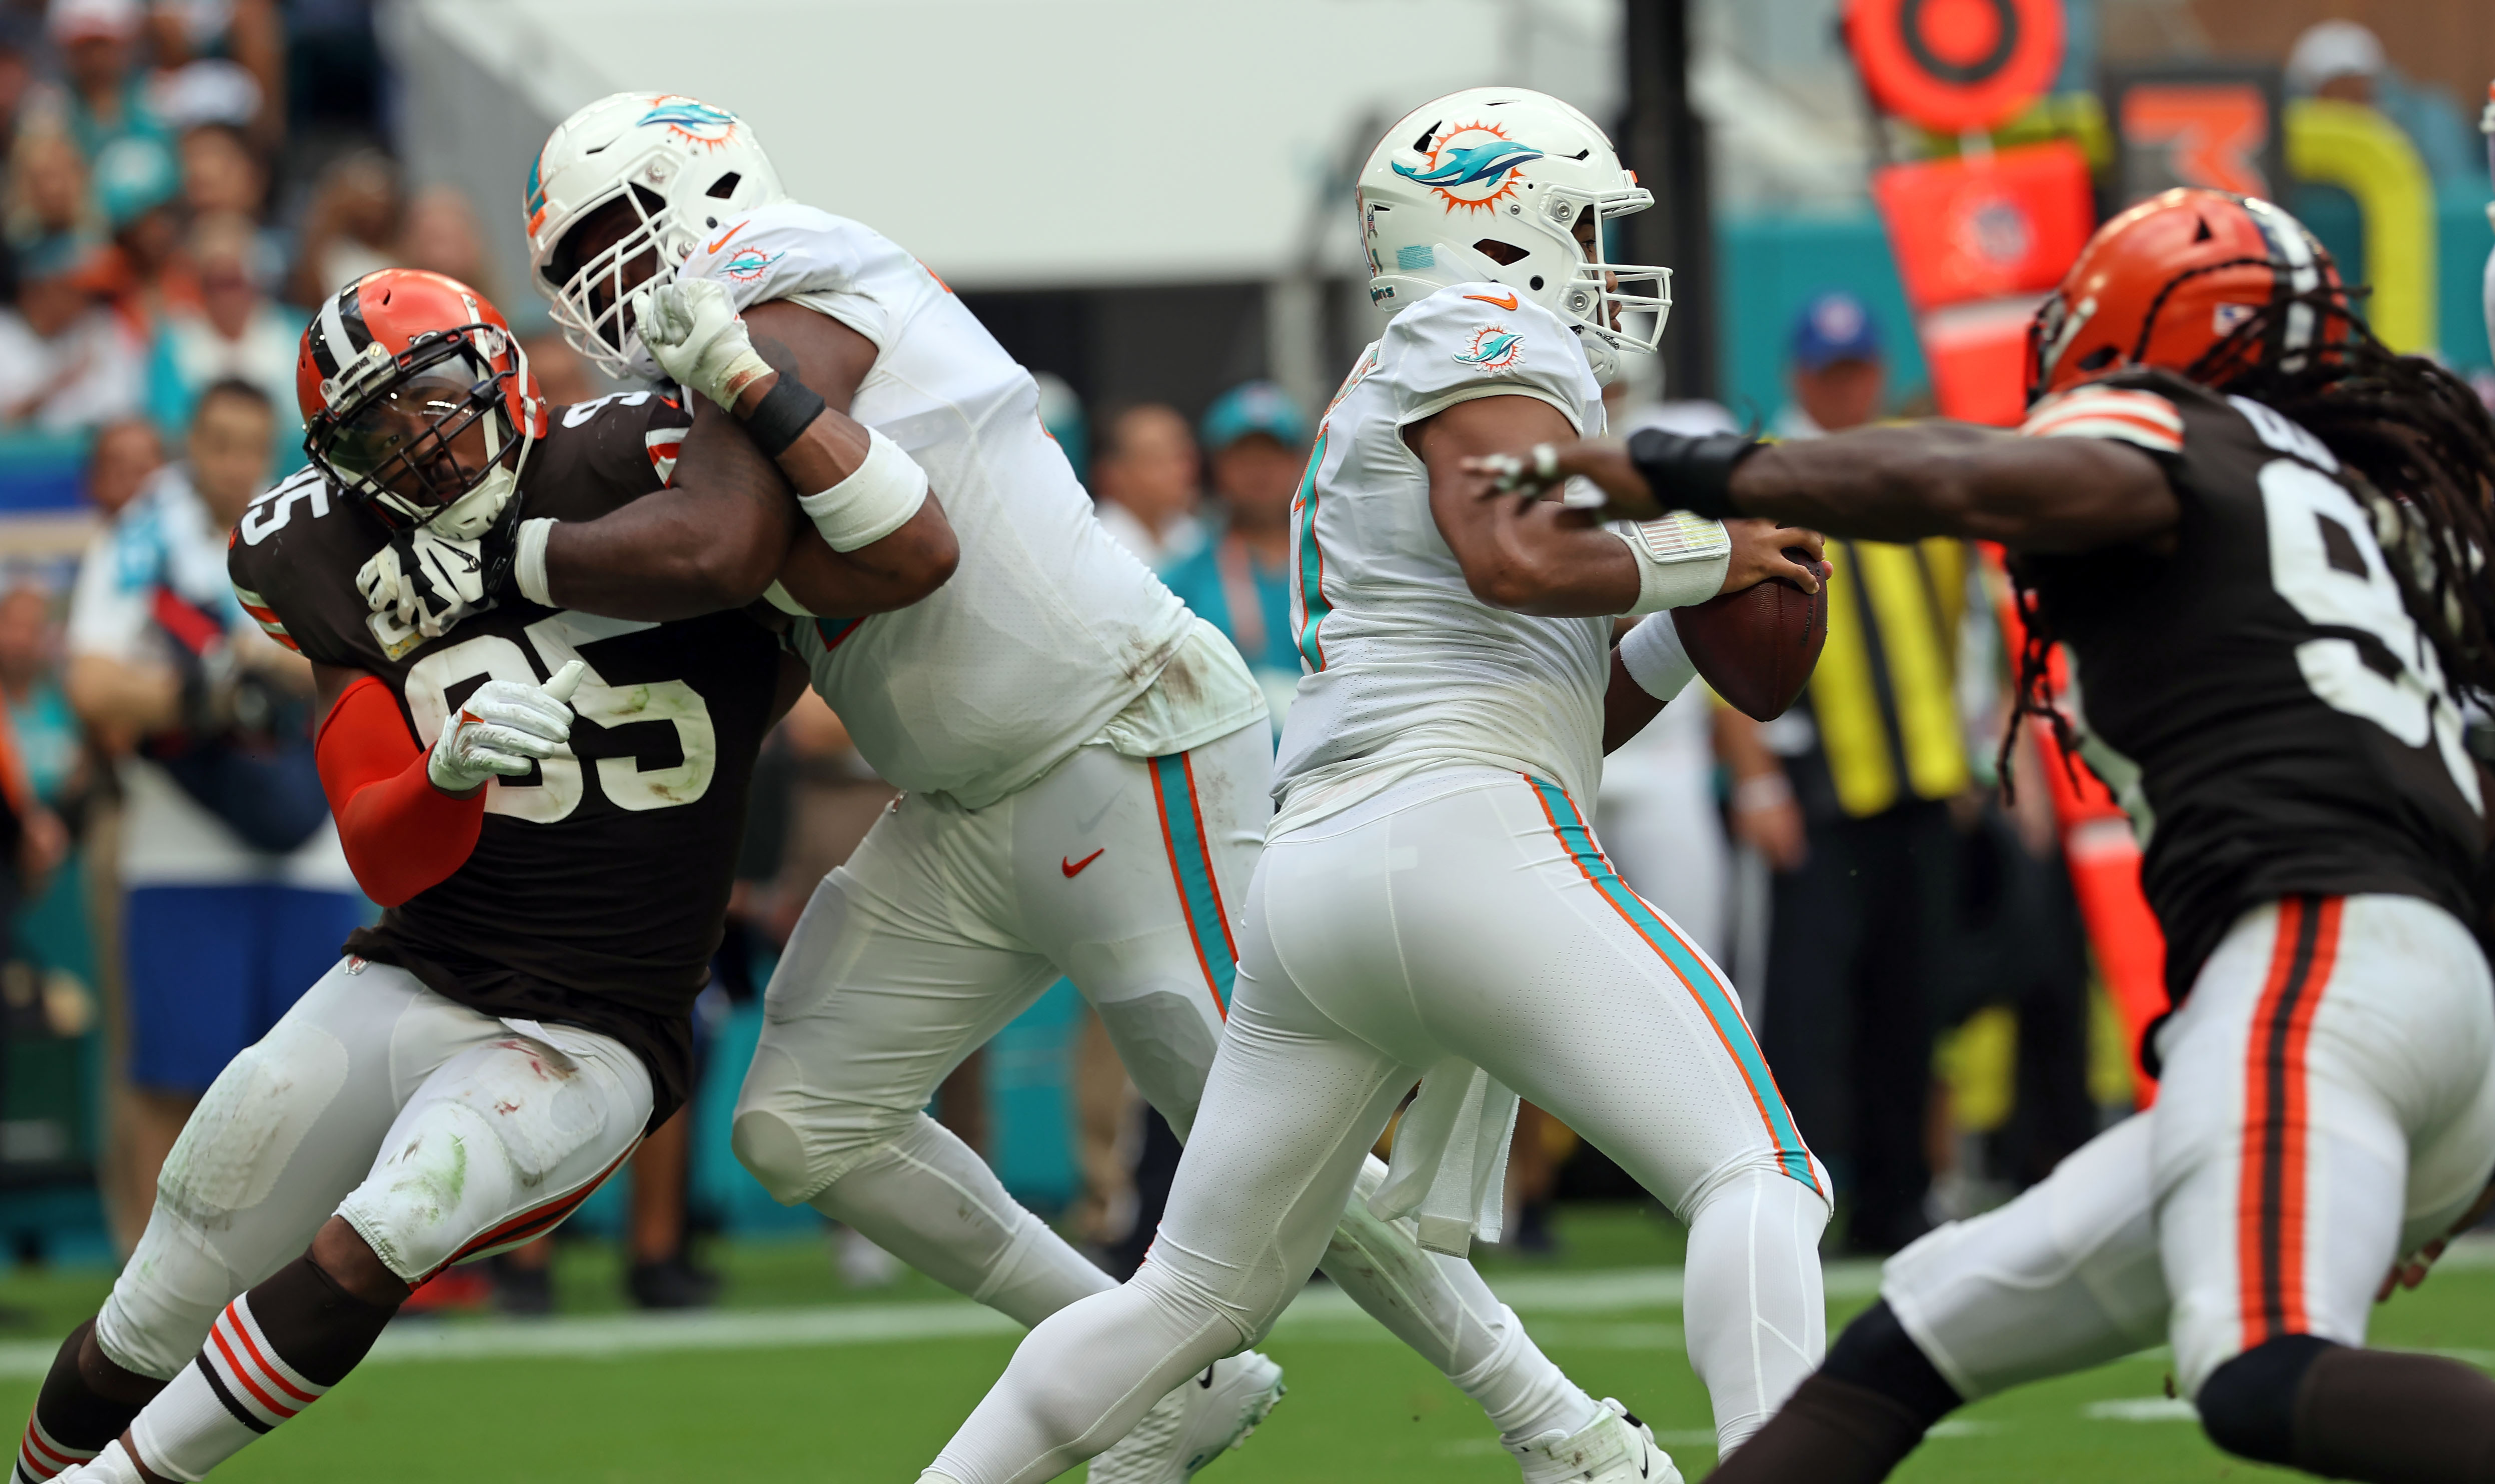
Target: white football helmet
[
  {"x": 1490, "y": 184},
  {"x": 683, "y": 165}
]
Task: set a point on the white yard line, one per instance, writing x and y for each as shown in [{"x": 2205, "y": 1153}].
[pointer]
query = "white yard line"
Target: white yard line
[{"x": 602, "y": 1336}]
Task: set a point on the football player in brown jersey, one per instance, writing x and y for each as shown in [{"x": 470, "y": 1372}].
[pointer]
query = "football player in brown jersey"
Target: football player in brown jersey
[
  {"x": 2262, "y": 537},
  {"x": 548, "y": 807}
]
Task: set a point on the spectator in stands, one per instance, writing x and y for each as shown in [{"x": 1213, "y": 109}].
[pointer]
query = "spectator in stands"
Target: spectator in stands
[
  {"x": 223, "y": 175},
  {"x": 53, "y": 756},
  {"x": 442, "y": 234},
  {"x": 1144, "y": 481},
  {"x": 66, "y": 362},
  {"x": 102, "y": 97},
  {"x": 1240, "y": 581},
  {"x": 40, "y": 720},
  {"x": 2344, "y": 59},
  {"x": 351, "y": 229},
  {"x": 1848, "y": 796},
  {"x": 237, "y": 893},
  {"x": 217, "y": 61},
  {"x": 48, "y": 191},
  {"x": 16, "y": 81},
  {"x": 145, "y": 271},
  {"x": 236, "y": 331},
  {"x": 125, "y": 455}
]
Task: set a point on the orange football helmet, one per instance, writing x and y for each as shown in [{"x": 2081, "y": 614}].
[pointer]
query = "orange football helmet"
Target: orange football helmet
[
  {"x": 417, "y": 401},
  {"x": 2165, "y": 283}
]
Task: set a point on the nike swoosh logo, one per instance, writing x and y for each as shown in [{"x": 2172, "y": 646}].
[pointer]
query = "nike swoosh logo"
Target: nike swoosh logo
[
  {"x": 741, "y": 225},
  {"x": 1205, "y": 1379},
  {"x": 1508, "y": 302},
  {"x": 1074, "y": 868}
]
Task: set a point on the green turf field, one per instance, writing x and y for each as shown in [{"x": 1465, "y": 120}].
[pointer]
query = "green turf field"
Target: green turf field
[{"x": 796, "y": 1378}]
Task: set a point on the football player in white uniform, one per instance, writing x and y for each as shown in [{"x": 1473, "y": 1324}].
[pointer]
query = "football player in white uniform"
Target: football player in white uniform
[
  {"x": 1432, "y": 903},
  {"x": 1086, "y": 762}
]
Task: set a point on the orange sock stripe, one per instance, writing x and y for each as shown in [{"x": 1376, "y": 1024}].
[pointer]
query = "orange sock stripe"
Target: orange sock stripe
[
  {"x": 242, "y": 1332},
  {"x": 45, "y": 1452},
  {"x": 242, "y": 1374}
]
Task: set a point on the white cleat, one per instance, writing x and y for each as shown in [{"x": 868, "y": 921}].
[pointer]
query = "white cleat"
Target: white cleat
[
  {"x": 1202, "y": 1418},
  {"x": 1615, "y": 1448}
]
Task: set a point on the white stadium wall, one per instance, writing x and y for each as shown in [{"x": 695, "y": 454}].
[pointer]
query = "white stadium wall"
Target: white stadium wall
[{"x": 1010, "y": 144}]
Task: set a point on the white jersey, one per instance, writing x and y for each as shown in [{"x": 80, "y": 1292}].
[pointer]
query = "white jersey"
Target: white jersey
[
  {"x": 1049, "y": 634},
  {"x": 1405, "y": 671}
]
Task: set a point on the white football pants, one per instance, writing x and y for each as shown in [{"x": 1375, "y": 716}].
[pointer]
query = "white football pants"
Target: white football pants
[
  {"x": 439, "y": 1133},
  {"x": 1464, "y": 913},
  {"x": 1122, "y": 874},
  {"x": 2327, "y": 1106}
]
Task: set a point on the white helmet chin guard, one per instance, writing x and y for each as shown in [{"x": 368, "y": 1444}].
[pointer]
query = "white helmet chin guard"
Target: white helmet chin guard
[
  {"x": 682, "y": 165},
  {"x": 1490, "y": 184}
]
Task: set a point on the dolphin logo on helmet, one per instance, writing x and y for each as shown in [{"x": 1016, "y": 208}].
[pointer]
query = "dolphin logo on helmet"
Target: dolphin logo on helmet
[{"x": 1463, "y": 167}]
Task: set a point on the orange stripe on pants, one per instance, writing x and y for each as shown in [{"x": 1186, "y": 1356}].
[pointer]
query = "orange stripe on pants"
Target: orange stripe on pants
[{"x": 2271, "y": 1194}]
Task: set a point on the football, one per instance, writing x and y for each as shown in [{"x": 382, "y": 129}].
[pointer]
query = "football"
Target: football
[{"x": 1757, "y": 646}]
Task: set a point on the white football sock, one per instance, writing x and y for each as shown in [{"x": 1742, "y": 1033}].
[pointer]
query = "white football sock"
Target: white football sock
[
  {"x": 928, "y": 1199},
  {"x": 1440, "y": 1307}
]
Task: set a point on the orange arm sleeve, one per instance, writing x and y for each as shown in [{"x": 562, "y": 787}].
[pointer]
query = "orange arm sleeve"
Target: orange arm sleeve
[{"x": 401, "y": 834}]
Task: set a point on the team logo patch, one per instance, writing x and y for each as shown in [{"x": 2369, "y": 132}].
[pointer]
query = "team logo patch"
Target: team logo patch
[
  {"x": 664, "y": 443},
  {"x": 690, "y": 118},
  {"x": 1472, "y": 165},
  {"x": 1492, "y": 347},
  {"x": 748, "y": 265}
]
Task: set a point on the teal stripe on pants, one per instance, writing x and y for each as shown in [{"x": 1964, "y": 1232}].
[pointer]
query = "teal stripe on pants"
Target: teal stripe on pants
[
  {"x": 1792, "y": 1156},
  {"x": 1191, "y": 864}
]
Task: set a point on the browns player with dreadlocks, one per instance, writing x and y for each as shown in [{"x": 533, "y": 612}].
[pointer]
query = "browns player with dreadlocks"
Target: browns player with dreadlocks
[{"x": 2260, "y": 535}]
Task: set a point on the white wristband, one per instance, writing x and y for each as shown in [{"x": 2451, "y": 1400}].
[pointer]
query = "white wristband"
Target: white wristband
[
  {"x": 875, "y": 499},
  {"x": 1652, "y": 655},
  {"x": 1681, "y": 559},
  {"x": 528, "y": 561}
]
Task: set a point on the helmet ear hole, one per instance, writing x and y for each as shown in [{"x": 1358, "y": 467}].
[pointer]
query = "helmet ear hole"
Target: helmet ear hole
[
  {"x": 2097, "y": 360},
  {"x": 1504, "y": 253},
  {"x": 725, "y": 186}
]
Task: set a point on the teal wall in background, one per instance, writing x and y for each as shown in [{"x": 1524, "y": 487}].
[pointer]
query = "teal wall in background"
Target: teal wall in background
[{"x": 1772, "y": 265}]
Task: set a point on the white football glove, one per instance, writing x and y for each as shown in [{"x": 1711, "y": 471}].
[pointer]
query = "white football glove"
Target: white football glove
[
  {"x": 503, "y": 730},
  {"x": 424, "y": 581},
  {"x": 696, "y": 336}
]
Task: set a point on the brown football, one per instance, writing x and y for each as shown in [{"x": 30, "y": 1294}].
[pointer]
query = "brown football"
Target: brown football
[{"x": 1757, "y": 646}]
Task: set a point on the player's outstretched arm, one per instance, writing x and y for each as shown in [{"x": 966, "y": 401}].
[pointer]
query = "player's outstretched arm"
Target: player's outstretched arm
[
  {"x": 1531, "y": 555},
  {"x": 1895, "y": 483}
]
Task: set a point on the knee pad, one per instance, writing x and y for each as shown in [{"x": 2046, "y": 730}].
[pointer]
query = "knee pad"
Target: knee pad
[
  {"x": 2248, "y": 1404},
  {"x": 767, "y": 1145}
]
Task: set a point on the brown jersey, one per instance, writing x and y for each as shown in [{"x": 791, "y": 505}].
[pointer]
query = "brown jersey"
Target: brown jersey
[
  {"x": 2260, "y": 698},
  {"x": 599, "y": 887}
]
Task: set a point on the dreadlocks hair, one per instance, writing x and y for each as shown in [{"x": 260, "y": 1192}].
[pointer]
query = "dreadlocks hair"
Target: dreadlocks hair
[{"x": 2414, "y": 443}]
